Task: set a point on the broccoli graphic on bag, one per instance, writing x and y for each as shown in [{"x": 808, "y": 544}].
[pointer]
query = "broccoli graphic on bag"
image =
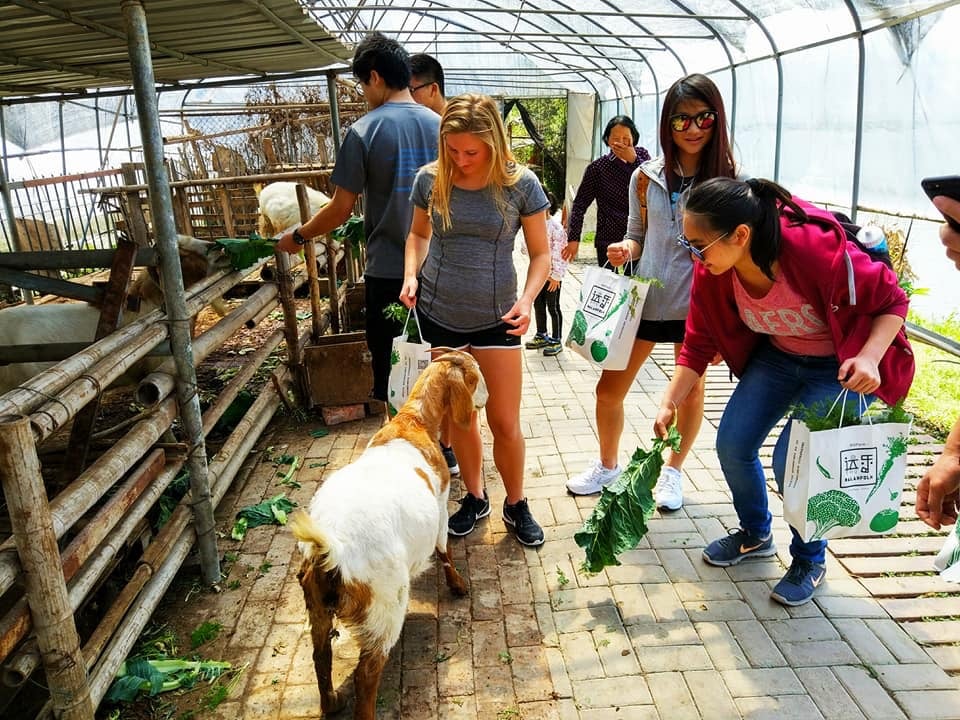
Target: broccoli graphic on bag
[{"x": 830, "y": 509}]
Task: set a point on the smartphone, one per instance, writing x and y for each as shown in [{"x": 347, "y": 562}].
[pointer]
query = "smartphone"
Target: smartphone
[{"x": 949, "y": 186}]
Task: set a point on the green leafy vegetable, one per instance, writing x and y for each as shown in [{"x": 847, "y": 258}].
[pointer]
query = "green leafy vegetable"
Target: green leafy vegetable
[
  {"x": 400, "y": 315},
  {"x": 203, "y": 633},
  {"x": 352, "y": 230},
  {"x": 884, "y": 520},
  {"x": 157, "y": 676},
  {"x": 619, "y": 519},
  {"x": 825, "y": 416},
  {"x": 896, "y": 446},
  {"x": 830, "y": 509},
  {"x": 244, "y": 252},
  {"x": 269, "y": 512}
]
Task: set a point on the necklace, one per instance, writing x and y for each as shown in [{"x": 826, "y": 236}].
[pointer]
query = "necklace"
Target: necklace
[{"x": 685, "y": 184}]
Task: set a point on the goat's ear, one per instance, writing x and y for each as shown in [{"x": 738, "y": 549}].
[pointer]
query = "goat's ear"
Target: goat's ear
[{"x": 461, "y": 396}]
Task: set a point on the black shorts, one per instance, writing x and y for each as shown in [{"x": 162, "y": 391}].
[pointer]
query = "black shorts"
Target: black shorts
[
  {"x": 495, "y": 337},
  {"x": 661, "y": 330}
]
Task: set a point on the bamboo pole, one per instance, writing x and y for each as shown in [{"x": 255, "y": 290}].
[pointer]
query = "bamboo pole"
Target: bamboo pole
[
  {"x": 15, "y": 625},
  {"x": 158, "y": 383},
  {"x": 48, "y": 383},
  {"x": 310, "y": 256},
  {"x": 285, "y": 284},
  {"x": 46, "y": 590},
  {"x": 332, "y": 289},
  {"x": 89, "y": 487}
]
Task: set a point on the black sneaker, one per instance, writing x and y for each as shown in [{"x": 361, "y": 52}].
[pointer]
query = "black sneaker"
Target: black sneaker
[
  {"x": 464, "y": 520},
  {"x": 518, "y": 518},
  {"x": 452, "y": 465}
]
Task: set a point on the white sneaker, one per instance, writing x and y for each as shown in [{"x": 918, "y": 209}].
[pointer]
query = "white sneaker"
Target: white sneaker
[
  {"x": 668, "y": 492},
  {"x": 592, "y": 480}
]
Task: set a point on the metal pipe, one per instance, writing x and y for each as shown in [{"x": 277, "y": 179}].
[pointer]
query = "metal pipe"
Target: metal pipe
[
  {"x": 334, "y": 111},
  {"x": 165, "y": 232}
]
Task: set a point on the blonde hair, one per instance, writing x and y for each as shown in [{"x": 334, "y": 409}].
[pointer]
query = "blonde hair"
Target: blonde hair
[{"x": 479, "y": 116}]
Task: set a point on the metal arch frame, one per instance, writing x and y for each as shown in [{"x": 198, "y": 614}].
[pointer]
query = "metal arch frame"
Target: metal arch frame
[
  {"x": 858, "y": 131},
  {"x": 778, "y": 135},
  {"x": 427, "y": 14}
]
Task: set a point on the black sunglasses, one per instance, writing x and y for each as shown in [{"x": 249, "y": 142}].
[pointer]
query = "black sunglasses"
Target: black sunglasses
[{"x": 704, "y": 120}]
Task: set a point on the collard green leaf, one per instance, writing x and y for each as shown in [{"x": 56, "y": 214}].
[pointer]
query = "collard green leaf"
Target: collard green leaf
[
  {"x": 244, "y": 252},
  {"x": 619, "y": 519}
]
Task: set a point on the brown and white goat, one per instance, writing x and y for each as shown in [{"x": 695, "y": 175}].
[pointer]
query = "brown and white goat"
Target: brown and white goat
[
  {"x": 279, "y": 210},
  {"x": 77, "y": 322},
  {"x": 374, "y": 525}
]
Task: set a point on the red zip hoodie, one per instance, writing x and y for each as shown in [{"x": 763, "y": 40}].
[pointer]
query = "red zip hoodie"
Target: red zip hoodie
[{"x": 844, "y": 284}]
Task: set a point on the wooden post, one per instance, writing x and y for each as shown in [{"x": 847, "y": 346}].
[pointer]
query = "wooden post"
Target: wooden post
[
  {"x": 285, "y": 287},
  {"x": 334, "y": 294},
  {"x": 46, "y": 589},
  {"x": 310, "y": 256}
]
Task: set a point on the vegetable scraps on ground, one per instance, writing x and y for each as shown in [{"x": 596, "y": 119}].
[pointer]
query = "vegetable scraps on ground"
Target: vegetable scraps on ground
[
  {"x": 269, "y": 512},
  {"x": 619, "y": 519},
  {"x": 156, "y": 676}
]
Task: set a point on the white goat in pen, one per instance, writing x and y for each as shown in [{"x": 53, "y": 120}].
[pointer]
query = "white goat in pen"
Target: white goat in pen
[
  {"x": 279, "y": 210},
  {"x": 375, "y": 524},
  {"x": 77, "y": 322}
]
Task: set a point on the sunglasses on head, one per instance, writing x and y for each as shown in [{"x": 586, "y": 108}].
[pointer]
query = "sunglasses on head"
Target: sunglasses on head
[
  {"x": 698, "y": 253},
  {"x": 704, "y": 120}
]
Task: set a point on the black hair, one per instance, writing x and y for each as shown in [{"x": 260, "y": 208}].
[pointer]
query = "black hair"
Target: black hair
[
  {"x": 552, "y": 199},
  {"x": 625, "y": 122},
  {"x": 725, "y": 203},
  {"x": 378, "y": 52},
  {"x": 427, "y": 68}
]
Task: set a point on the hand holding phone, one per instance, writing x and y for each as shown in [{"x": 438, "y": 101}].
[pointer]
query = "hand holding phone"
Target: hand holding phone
[{"x": 948, "y": 186}]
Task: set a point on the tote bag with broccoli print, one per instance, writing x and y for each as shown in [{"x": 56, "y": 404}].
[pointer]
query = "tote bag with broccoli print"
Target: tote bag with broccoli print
[
  {"x": 605, "y": 323},
  {"x": 846, "y": 481}
]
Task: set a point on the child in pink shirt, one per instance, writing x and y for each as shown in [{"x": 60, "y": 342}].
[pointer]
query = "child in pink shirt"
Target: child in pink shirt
[{"x": 549, "y": 298}]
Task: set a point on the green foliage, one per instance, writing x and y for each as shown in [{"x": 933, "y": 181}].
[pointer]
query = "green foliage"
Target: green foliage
[
  {"x": 172, "y": 496},
  {"x": 204, "y": 633},
  {"x": 400, "y": 314},
  {"x": 352, "y": 231},
  {"x": 830, "y": 509},
  {"x": 824, "y": 415},
  {"x": 156, "y": 676},
  {"x": 619, "y": 519},
  {"x": 884, "y": 520},
  {"x": 936, "y": 385},
  {"x": 244, "y": 252},
  {"x": 550, "y": 117},
  {"x": 269, "y": 512}
]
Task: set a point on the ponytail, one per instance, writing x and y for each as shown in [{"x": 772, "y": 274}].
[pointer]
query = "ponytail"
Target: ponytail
[{"x": 756, "y": 203}]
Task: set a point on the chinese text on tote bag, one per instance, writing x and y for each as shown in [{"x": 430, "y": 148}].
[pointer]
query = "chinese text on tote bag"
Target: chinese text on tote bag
[
  {"x": 605, "y": 323},
  {"x": 845, "y": 481}
]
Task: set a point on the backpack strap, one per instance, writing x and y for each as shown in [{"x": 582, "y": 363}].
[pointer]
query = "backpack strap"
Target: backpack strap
[{"x": 643, "y": 182}]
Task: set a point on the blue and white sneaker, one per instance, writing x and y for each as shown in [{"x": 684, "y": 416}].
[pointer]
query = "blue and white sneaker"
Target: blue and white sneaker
[
  {"x": 738, "y": 545},
  {"x": 800, "y": 582}
]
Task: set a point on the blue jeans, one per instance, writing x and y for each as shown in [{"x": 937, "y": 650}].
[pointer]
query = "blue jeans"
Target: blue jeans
[{"x": 772, "y": 382}]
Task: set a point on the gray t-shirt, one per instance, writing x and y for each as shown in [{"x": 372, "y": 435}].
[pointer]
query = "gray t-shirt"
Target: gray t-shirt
[
  {"x": 468, "y": 279},
  {"x": 379, "y": 158}
]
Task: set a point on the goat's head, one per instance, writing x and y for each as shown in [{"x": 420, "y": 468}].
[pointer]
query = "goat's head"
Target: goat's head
[
  {"x": 452, "y": 384},
  {"x": 197, "y": 261}
]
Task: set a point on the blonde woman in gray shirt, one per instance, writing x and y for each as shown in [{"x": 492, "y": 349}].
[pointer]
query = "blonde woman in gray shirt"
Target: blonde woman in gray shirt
[
  {"x": 459, "y": 272},
  {"x": 693, "y": 135}
]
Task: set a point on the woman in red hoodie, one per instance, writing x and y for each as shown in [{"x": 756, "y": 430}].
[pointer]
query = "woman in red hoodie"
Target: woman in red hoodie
[{"x": 798, "y": 312}]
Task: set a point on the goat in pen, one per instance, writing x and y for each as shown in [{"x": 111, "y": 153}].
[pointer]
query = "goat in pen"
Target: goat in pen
[
  {"x": 279, "y": 210},
  {"x": 374, "y": 525},
  {"x": 77, "y": 322}
]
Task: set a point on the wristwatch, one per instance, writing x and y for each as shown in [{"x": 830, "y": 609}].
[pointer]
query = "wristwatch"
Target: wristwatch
[{"x": 298, "y": 237}]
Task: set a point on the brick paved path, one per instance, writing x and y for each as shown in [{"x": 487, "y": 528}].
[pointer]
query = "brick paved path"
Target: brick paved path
[{"x": 662, "y": 636}]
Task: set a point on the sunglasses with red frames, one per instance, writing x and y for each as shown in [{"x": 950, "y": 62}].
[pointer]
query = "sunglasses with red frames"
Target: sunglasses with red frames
[{"x": 704, "y": 120}]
